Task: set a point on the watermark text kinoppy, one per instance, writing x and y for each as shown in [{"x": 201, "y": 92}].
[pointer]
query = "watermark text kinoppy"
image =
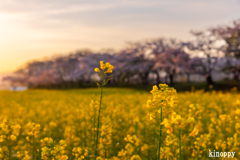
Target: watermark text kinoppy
[{"x": 221, "y": 154}]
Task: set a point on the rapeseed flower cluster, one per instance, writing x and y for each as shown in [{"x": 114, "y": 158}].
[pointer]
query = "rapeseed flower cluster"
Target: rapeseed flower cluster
[
  {"x": 106, "y": 68},
  {"x": 54, "y": 151},
  {"x": 79, "y": 153},
  {"x": 163, "y": 103}
]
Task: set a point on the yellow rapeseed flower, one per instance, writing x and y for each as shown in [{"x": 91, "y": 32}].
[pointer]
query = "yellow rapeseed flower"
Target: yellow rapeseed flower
[
  {"x": 194, "y": 132},
  {"x": 96, "y": 70},
  {"x": 13, "y": 137},
  {"x": 103, "y": 66},
  {"x": 177, "y": 119},
  {"x": 152, "y": 117},
  {"x": 135, "y": 157},
  {"x": 167, "y": 125}
]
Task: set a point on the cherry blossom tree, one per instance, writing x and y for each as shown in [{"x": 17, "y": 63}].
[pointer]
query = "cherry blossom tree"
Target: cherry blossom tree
[
  {"x": 209, "y": 47},
  {"x": 132, "y": 63},
  {"x": 230, "y": 65},
  {"x": 172, "y": 61},
  {"x": 231, "y": 35},
  {"x": 15, "y": 80},
  {"x": 149, "y": 55}
]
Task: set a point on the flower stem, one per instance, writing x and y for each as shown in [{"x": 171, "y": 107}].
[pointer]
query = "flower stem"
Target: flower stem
[
  {"x": 10, "y": 151},
  {"x": 179, "y": 138},
  {"x": 160, "y": 135},
  {"x": 99, "y": 113},
  {"x": 33, "y": 155}
]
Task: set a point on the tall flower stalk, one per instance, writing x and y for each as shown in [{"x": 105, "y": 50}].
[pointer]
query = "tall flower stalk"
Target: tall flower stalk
[
  {"x": 181, "y": 124},
  {"x": 160, "y": 135},
  {"x": 105, "y": 68},
  {"x": 179, "y": 143},
  {"x": 163, "y": 100}
]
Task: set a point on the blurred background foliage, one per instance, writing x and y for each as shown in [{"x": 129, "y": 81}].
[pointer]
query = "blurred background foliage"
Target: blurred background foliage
[{"x": 211, "y": 57}]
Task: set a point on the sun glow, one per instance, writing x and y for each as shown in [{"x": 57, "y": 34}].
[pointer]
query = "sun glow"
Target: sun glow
[{"x": 3, "y": 27}]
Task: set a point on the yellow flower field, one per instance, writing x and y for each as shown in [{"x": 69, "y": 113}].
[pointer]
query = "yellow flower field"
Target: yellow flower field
[{"x": 51, "y": 124}]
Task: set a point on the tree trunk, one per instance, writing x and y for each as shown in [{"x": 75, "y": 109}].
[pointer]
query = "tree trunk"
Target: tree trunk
[
  {"x": 171, "y": 75},
  {"x": 188, "y": 77},
  {"x": 71, "y": 84},
  {"x": 158, "y": 77},
  {"x": 80, "y": 83},
  {"x": 171, "y": 78},
  {"x": 145, "y": 78},
  {"x": 121, "y": 79},
  {"x": 166, "y": 79},
  {"x": 236, "y": 76},
  {"x": 209, "y": 79}
]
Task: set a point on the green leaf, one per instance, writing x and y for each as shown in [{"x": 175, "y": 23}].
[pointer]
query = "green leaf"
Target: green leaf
[{"x": 106, "y": 82}]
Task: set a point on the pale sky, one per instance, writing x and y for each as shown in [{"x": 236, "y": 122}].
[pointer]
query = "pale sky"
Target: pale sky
[{"x": 33, "y": 29}]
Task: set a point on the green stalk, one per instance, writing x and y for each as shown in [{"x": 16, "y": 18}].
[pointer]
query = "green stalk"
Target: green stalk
[
  {"x": 10, "y": 150},
  {"x": 99, "y": 112},
  {"x": 160, "y": 135},
  {"x": 179, "y": 138},
  {"x": 33, "y": 156},
  {"x": 94, "y": 122}
]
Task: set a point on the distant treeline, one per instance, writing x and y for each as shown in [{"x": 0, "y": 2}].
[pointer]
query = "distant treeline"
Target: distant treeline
[{"x": 215, "y": 49}]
